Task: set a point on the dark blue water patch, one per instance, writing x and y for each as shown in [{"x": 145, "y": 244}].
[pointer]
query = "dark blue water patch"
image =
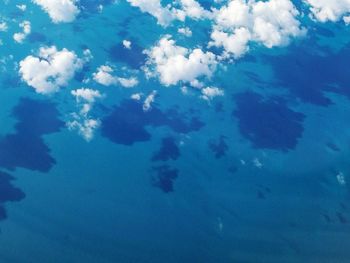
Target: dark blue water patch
[
  {"x": 213, "y": 49},
  {"x": 256, "y": 78},
  {"x": 77, "y": 28},
  {"x": 3, "y": 214},
  {"x": 10, "y": 81},
  {"x": 321, "y": 30},
  {"x": 327, "y": 218},
  {"x": 247, "y": 59},
  {"x": 8, "y": 193},
  {"x": 260, "y": 195},
  {"x": 206, "y": 4},
  {"x": 164, "y": 177},
  {"x": 16, "y": 14},
  {"x": 218, "y": 147},
  {"x": 342, "y": 218},
  {"x": 233, "y": 168},
  {"x": 82, "y": 74},
  {"x": 263, "y": 192},
  {"x": 133, "y": 57},
  {"x": 219, "y": 107},
  {"x": 332, "y": 146},
  {"x": 123, "y": 27},
  {"x": 168, "y": 150},
  {"x": 308, "y": 71},
  {"x": 127, "y": 123},
  {"x": 26, "y": 148},
  {"x": 268, "y": 123},
  {"x": 36, "y": 37}
]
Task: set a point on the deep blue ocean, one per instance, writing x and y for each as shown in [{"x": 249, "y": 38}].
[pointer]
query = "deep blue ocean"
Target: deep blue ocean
[{"x": 259, "y": 175}]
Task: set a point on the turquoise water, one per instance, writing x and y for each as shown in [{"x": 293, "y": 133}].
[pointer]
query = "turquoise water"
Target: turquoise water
[{"x": 249, "y": 177}]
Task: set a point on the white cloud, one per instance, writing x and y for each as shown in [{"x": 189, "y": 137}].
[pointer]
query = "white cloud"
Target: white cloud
[
  {"x": 51, "y": 70},
  {"x": 209, "y": 93},
  {"x": 104, "y": 77},
  {"x": 257, "y": 163},
  {"x": 86, "y": 127},
  {"x": 271, "y": 23},
  {"x": 174, "y": 64},
  {"x": 329, "y": 10},
  {"x": 127, "y": 44},
  {"x": 166, "y": 14},
  {"x": 154, "y": 8},
  {"x": 87, "y": 95},
  {"x": 191, "y": 9},
  {"x": 128, "y": 82},
  {"x": 26, "y": 27},
  {"x": 147, "y": 104},
  {"x": 136, "y": 96},
  {"x": 185, "y": 31},
  {"x": 82, "y": 121},
  {"x": 22, "y": 7},
  {"x": 59, "y": 10},
  {"x": 341, "y": 178},
  {"x": 3, "y": 27}
]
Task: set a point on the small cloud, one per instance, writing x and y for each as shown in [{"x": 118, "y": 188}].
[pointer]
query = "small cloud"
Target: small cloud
[
  {"x": 105, "y": 77},
  {"x": 127, "y": 44},
  {"x": 20, "y": 37}
]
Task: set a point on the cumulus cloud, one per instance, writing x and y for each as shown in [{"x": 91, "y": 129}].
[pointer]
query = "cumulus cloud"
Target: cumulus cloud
[
  {"x": 166, "y": 14},
  {"x": 87, "y": 95},
  {"x": 174, "y": 64},
  {"x": 209, "y": 93},
  {"x": 26, "y": 27},
  {"x": 147, "y": 104},
  {"x": 22, "y": 7},
  {"x": 136, "y": 96},
  {"x": 82, "y": 121},
  {"x": 3, "y": 26},
  {"x": 329, "y": 10},
  {"x": 154, "y": 8},
  {"x": 50, "y": 70},
  {"x": 186, "y": 31},
  {"x": 191, "y": 9},
  {"x": 59, "y": 10},
  {"x": 127, "y": 44},
  {"x": 271, "y": 23},
  {"x": 104, "y": 76}
]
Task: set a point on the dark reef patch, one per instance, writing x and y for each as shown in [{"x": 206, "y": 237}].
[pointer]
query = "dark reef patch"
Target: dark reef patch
[
  {"x": 133, "y": 57},
  {"x": 10, "y": 81},
  {"x": 308, "y": 71},
  {"x": 219, "y": 148},
  {"x": 268, "y": 123},
  {"x": 164, "y": 178},
  {"x": 332, "y": 146},
  {"x": 26, "y": 148},
  {"x": 219, "y": 107},
  {"x": 35, "y": 37},
  {"x": 81, "y": 74},
  {"x": 168, "y": 150},
  {"x": 342, "y": 218},
  {"x": 323, "y": 31},
  {"x": 8, "y": 193},
  {"x": 127, "y": 124}
]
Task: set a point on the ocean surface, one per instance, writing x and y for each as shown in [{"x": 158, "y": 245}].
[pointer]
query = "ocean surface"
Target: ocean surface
[{"x": 258, "y": 175}]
